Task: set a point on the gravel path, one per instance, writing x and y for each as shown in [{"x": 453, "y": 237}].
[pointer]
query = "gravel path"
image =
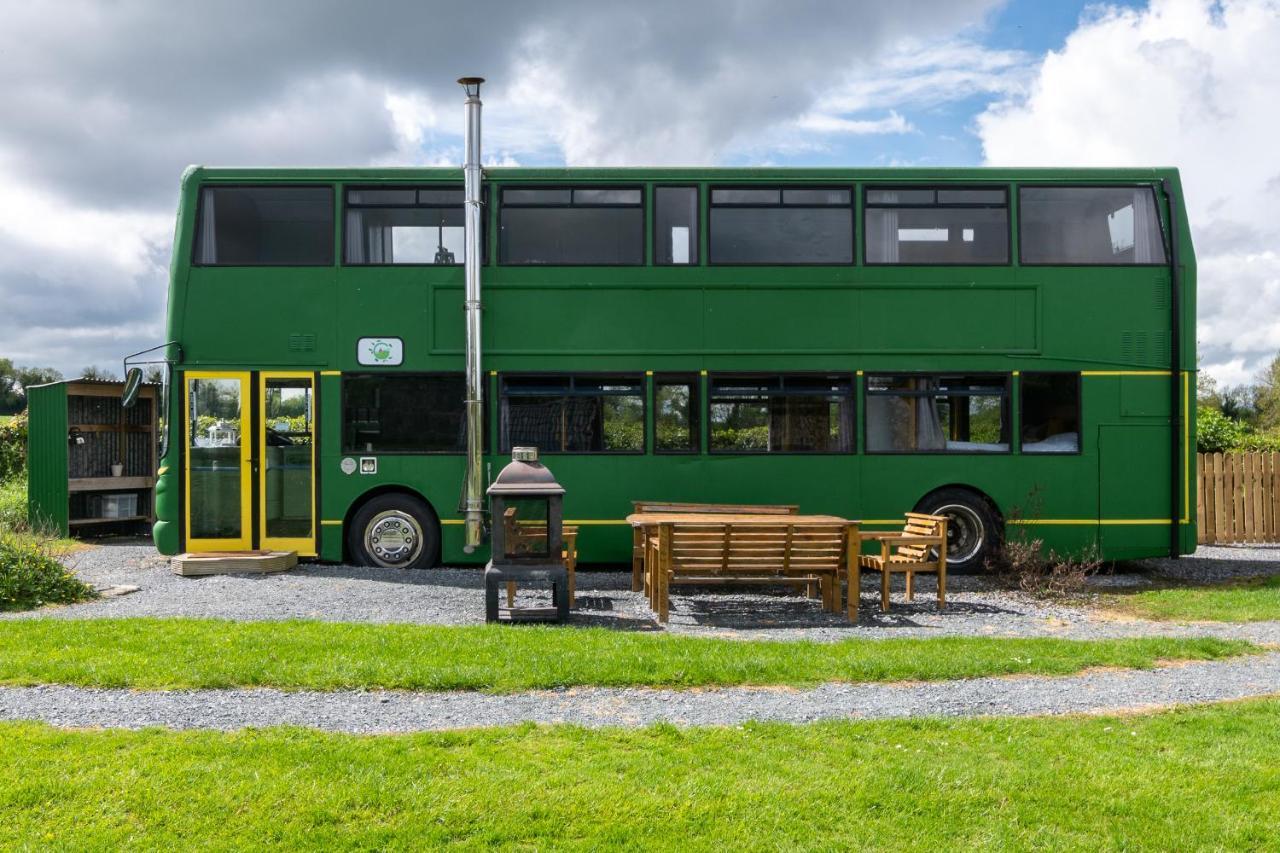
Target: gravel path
[
  {"x": 388, "y": 711},
  {"x": 976, "y": 605}
]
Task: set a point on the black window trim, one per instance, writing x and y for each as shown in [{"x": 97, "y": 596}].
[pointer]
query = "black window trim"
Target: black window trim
[
  {"x": 439, "y": 185},
  {"x": 1080, "y": 430},
  {"x": 852, "y": 397},
  {"x": 1155, "y": 197},
  {"x": 1006, "y": 397},
  {"x": 250, "y": 185},
  {"x": 697, "y": 225},
  {"x": 641, "y": 206},
  {"x": 852, "y": 206},
  {"x": 602, "y": 375},
  {"x": 696, "y": 408},
  {"x": 1007, "y": 188},
  {"x": 382, "y": 374}
]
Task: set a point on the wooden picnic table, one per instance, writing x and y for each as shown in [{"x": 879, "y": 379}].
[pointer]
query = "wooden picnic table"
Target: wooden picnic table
[{"x": 779, "y": 529}]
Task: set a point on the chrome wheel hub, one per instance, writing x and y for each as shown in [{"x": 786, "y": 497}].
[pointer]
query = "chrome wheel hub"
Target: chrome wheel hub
[
  {"x": 393, "y": 538},
  {"x": 965, "y": 534}
]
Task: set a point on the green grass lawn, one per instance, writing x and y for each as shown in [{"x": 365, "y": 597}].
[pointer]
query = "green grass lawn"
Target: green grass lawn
[
  {"x": 1200, "y": 778},
  {"x": 1248, "y": 601},
  {"x": 305, "y": 655}
]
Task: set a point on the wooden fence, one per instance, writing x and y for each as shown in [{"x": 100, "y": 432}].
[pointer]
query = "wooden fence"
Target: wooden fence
[{"x": 1238, "y": 497}]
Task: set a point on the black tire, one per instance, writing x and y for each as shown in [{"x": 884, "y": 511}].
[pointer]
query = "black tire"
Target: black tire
[
  {"x": 394, "y": 531},
  {"x": 973, "y": 529}
]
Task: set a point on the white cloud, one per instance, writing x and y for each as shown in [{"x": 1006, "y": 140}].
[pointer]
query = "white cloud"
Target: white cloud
[{"x": 1186, "y": 83}]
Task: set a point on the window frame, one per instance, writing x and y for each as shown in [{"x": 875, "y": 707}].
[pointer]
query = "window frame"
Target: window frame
[
  {"x": 696, "y": 407},
  {"x": 852, "y": 207},
  {"x": 601, "y": 376},
  {"x": 383, "y": 374},
  {"x": 1006, "y": 188},
  {"x": 198, "y": 221},
  {"x": 697, "y": 225},
  {"x": 1006, "y": 397},
  {"x": 502, "y": 205},
  {"x": 484, "y": 225},
  {"x": 1160, "y": 218},
  {"x": 1080, "y": 434},
  {"x": 756, "y": 374}
]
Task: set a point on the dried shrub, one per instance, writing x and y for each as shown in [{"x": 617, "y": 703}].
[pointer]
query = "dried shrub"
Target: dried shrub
[{"x": 1023, "y": 564}]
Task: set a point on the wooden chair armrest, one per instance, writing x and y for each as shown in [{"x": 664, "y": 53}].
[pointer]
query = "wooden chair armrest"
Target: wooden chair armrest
[
  {"x": 908, "y": 539},
  {"x": 873, "y": 535}
]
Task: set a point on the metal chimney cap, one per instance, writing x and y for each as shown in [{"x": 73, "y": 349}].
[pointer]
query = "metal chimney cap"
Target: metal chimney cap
[{"x": 472, "y": 85}]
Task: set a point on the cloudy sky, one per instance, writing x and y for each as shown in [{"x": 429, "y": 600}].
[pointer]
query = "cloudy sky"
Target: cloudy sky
[{"x": 104, "y": 103}]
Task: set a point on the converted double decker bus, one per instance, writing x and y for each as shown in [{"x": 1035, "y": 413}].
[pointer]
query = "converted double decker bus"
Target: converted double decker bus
[{"x": 1013, "y": 348}]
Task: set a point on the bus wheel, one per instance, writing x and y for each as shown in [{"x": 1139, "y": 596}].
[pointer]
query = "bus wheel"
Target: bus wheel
[
  {"x": 397, "y": 531},
  {"x": 973, "y": 531}
]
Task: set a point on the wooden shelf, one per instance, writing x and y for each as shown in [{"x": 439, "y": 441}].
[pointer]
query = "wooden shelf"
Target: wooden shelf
[
  {"x": 78, "y": 521},
  {"x": 109, "y": 484}
]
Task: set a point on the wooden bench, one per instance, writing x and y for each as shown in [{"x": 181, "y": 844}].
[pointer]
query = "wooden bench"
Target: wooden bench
[
  {"x": 535, "y": 532},
  {"x": 637, "y": 534},
  {"x": 737, "y": 552},
  {"x": 921, "y": 546}
]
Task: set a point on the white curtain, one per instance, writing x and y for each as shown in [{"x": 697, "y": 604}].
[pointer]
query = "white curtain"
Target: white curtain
[
  {"x": 1143, "y": 219},
  {"x": 367, "y": 241},
  {"x": 208, "y": 230},
  {"x": 929, "y": 434},
  {"x": 882, "y": 232}
]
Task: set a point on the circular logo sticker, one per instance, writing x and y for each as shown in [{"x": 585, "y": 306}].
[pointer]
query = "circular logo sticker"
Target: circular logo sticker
[{"x": 348, "y": 465}]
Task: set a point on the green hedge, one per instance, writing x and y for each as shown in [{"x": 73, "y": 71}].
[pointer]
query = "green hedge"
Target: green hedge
[{"x": 13, "y": 446}]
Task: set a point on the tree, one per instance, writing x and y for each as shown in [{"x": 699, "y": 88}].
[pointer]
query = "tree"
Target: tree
[
  {"x": 14, "y": 380},
  {"x": 1206, "y": 387},
  {"x": 97, "y": 374},
  {"x": 1267, "y": 396}
]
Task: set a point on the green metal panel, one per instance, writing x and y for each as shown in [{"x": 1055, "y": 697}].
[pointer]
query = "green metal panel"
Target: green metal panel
[
  {"x": 722, "y": 318},
  {"x": 47, "y": 496}
]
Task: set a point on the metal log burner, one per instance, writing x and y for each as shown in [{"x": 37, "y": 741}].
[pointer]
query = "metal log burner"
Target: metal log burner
[{"x": 526, "y": 506}]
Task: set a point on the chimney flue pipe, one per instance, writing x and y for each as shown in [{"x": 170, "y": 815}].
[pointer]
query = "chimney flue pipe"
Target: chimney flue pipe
[{"x": 473, "y": 496}]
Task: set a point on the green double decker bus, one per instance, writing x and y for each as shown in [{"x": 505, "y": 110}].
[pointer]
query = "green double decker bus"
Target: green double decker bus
[{"x": 1013, "y": 348}]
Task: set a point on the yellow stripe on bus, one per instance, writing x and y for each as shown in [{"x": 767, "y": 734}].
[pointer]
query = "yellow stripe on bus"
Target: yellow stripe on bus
[
  {"x": 1124, "y": 373},
  {"x": 331, "y": 521}
]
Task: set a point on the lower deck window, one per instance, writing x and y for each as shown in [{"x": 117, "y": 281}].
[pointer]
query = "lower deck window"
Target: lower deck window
[
  {"x": 1050, "y": 412},
  {"x": 676, "y": 424},
  {"x": 404, "y": 413},
  {"x": 937, "y": 413},
  {"x": 781, "y": 414},
  {"x": 573, "y": 414}
]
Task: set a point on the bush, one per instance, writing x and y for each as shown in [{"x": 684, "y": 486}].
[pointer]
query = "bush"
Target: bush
[
  {"x": 1264, "y": 442},
  {"x": 13, "y": 446},
  {"x": 13, "y": 504},
  {"x": 31, "y": 577},
  {"x": 1217, "y": 433},
  {"x": 1023, "y": 564}
]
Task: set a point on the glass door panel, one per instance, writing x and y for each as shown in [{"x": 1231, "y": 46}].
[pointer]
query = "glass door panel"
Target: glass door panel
[
  {"x": 218, "y": 496},
  {"x": 288, "y": 459}
]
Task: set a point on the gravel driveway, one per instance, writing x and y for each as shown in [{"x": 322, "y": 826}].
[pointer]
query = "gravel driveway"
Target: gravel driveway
[
  {"x": 392, "y": 711},
  {"x": 976, "y": 605}
]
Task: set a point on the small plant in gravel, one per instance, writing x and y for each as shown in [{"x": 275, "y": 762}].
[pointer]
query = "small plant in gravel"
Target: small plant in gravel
[
  {"x": 31, "y": 576},
  {"x": 1023, "y": 564}
]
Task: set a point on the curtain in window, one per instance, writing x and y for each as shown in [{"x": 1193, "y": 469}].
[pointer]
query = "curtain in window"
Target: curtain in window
[
  {"x": 929, "y": 435},
  {"x": 368, "y": 242},
  {"x": 882, "y": 232},
  {"x": 1143, "y": 248}
]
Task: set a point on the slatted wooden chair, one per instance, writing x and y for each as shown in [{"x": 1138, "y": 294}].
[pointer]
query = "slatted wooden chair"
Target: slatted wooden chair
[
  {"x": 637, "y": 534},
  {"x": 749, "y": 552},
  {"x": 921, "y": 546},
  {"x": 532, "y": 533}
]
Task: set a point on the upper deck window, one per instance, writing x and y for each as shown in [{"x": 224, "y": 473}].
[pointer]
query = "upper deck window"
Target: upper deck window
[
  {"x": 781, "y": 225},
  {"x": 1089, "y": 225},
  {"x": 265, "y": 226},
  {"x": 572, "y": 226},
  {"x": 675, "y": 225},
  {"x": 926, "y": 225},
  {"x": 404, "y": 225}
]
